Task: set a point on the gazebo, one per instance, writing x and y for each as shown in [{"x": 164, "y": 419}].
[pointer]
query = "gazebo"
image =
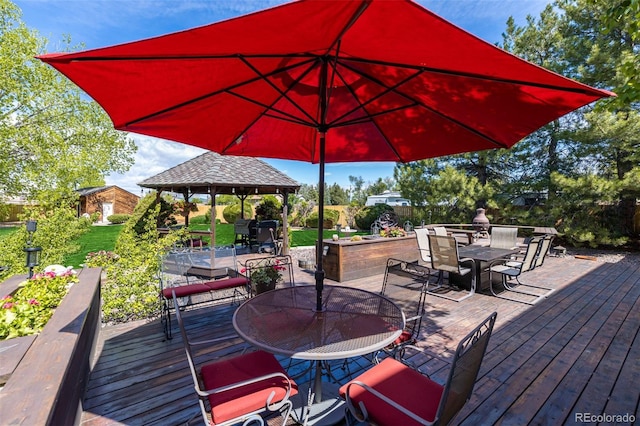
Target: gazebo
[{"x": 213, "y": 174}]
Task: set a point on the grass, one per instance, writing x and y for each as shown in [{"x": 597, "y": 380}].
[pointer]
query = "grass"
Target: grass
[
  {"x": 5, "y": 230},
  {"x": 299, "y": 237},
  {"x": 96, "y": 239},
  {"x": 104, "y": 238}
]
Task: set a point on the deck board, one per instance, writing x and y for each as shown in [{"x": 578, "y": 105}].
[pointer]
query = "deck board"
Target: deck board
[{"x": 577, "y": 351}]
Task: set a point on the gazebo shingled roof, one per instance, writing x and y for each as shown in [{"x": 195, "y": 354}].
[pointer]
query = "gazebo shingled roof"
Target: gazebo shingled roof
[{"x": 228, "y": 174}]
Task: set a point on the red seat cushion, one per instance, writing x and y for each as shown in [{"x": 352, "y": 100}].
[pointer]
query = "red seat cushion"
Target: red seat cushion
[
  {"x": 226, "y": 283},
  {"x": 236, "y": 402},
  {"x": 185, "y": 290},
  {"x": 407, "y": 387},
  {"x": 404, "y": 337},
  {"x": 188, "y": 290}
]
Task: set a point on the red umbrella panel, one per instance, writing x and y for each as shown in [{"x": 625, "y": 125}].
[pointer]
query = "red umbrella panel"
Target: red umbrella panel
[{"x": 325, "y": 81}]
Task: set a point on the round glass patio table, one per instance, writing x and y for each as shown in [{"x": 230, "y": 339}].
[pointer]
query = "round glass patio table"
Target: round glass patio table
[{"x": 352, "y": 322}]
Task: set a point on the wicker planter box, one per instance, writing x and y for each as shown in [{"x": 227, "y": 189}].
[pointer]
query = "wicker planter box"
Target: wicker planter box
[{"x": 48, "y": 383}]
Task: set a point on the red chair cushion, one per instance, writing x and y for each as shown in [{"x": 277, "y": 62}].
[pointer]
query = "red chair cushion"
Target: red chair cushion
[
  {"x": 226, "y": 283},
  {"x": 190, "y": 289},
  {"x": 185, "y": 290},
  {"x": 237, "y": 402},
  {"x": 407, "y": 387},
  {"x": 404, "y": 337}
]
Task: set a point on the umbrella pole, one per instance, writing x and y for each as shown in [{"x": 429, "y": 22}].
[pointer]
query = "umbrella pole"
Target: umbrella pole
[
  {"x": 319, "y": 274},
  {"x": 212, "y": 224}
]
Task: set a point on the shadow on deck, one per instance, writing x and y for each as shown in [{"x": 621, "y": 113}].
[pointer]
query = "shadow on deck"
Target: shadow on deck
[{"x": 576, "y": 352}]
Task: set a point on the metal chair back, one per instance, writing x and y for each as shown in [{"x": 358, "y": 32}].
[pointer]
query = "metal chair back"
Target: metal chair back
[
  {"x": 502, "y": 237},
  {"x": 464, "y": 370},
  {"x": 404, "y": 283},
  {"x": 533, "y": 248},
  {"x": 444, "y": 253},
  {"x": 422, "y": 238},
  {"x": 440, "y": 230},
  {"x": 545, "y": 245},
  {"x": 283, "y": 264}
]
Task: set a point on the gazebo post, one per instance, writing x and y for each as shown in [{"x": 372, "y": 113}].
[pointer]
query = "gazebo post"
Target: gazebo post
[
  {"x": 212, "y": 192},
  {"x": 185, "y": 194},
  {"x": 242, "y": 197},
  {"x": 285, "y": 222}
]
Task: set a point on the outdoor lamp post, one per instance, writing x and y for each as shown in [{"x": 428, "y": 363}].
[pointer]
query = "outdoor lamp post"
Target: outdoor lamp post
[{"x": 33, "y": 253}]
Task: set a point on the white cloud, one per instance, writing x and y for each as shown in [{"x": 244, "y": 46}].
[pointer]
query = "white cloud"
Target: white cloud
[{"x": 154, "y": 156}]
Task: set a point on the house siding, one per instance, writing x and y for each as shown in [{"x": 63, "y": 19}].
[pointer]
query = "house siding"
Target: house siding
[{"x": 123, "y": 201}]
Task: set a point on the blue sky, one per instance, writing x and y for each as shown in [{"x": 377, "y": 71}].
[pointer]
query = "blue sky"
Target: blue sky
[{"x": 98, "y": 23}]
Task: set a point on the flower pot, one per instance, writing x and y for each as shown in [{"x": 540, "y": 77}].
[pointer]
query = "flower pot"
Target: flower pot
[{"x": 261, "y": 287}]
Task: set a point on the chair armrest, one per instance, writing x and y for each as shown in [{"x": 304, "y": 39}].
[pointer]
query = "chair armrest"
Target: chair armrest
[
  {"x": 414, "y": 318},
  {"x": 216, "y": 340},
  {"x": 380, "y": 396},
  {"x": 467, "y": 259}
]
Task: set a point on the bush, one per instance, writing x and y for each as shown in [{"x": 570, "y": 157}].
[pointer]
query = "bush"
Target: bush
[
  {"x": 269, "y": 209},
  {"x": 58, "y": 232},
  {"x": 231, "y": 213},
  {"x": 365, "y": 217},
  {"x": 331, "y": 217},
  {"x": 131, "y": 289},
  {"x": 200, "y": 220},
  {"x": 118, "y": 218}
]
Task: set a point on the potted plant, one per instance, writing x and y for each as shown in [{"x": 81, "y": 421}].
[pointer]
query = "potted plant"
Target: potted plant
[
  {"x": 393, "y": 231},
  {"x": 264, "y": 274}
]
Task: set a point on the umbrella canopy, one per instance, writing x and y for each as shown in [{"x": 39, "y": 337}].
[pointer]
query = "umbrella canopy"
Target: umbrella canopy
[{"x": 325, "y": 81}]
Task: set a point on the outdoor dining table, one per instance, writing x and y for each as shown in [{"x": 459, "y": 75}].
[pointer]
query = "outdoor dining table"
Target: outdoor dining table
[
  {"x": 482, "y": 255},
  {"x": 352, "y": 322}
]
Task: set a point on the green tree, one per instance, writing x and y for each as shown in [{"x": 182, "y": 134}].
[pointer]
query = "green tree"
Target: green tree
[
  {"x": 380, "y": 185},
  {"x": 54, "y": 140},
  {"x": 624, "y": 16},
  {"x": 338, "y": 195},
  {"x": 308, "y": 192},
  {"x": 357, "y": 192},
  {"x": 457, "y": 194},
  {"x": 602, "y": 56},
  {"x": 412, "y": 180}
]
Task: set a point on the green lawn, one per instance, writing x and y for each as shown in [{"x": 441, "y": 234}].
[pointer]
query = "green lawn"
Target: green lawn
[
  {"x": 96, "y": 239},
  {"x": 104, "y": 238},
  {"x": 301, "y": 237},
  {"x": 6, "y": 230}
]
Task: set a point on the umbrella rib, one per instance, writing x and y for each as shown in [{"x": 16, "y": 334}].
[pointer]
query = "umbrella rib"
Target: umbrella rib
[
  {"x": 415, "y": 102},
  {"x": 370, "y": 116},
  {"x": 388, "y": 89},
  {"x": 349, "y": 24},
  {"x": 228, "y": 90},
  {"x": 587, "y": 90},
  {"x": 292, "y": 118},
  {"x": 277, "y": 89}
]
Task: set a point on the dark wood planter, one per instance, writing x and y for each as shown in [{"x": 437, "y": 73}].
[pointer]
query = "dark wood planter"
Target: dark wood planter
[
  {"x": 48, "y": 383},
  {"x": 259, "y": 288},
  {"x": 348, "y": 260}
]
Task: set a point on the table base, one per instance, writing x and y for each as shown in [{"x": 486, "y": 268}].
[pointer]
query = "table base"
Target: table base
[{"x": 330, "y": 411}]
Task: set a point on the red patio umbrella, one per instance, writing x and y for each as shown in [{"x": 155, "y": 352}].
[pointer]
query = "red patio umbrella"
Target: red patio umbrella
[{"x": 325, "y": 81}]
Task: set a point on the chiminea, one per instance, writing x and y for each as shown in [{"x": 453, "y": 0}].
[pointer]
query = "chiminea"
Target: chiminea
[{"x": 480, "y": 221}]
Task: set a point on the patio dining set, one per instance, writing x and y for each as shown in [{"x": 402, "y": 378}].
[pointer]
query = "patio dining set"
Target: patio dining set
[{"x": 380, "y": 328}]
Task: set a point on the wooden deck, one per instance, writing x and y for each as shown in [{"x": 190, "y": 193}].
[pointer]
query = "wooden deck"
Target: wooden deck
[{"x": 576, "y": 352}]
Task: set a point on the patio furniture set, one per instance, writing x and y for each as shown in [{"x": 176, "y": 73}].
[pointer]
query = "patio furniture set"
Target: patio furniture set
[{"x": 352, "y": 323}]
